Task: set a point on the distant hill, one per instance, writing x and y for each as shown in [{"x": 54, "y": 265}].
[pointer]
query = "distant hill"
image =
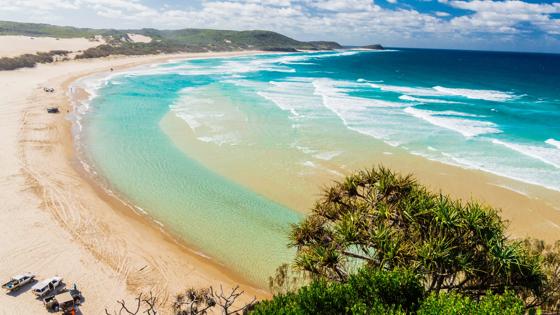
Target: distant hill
[
  {"x": 167, "y": 41},
  {"x": 373, "y": 47}
]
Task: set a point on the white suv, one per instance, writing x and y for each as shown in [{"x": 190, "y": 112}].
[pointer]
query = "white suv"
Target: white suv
[{"x": 46, "y": 286}]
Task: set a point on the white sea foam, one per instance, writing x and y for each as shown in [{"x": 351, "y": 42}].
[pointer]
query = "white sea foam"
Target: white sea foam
[
  {"x": 521, "y": 192},
  {"x": 547, "y": 155},
  {"x": 426, "y": 100},
  {"x": 417, "y": 91},
  {"x": 329, "y": 155},
  {"x": 204, "y": 118},
  {"x": 335, "y": 97},
  {"x": 309, "y": 164},
  {"x": 220, "y": 139},
  {"x": 467, "y": 127},
  {"x": 553, "y": 142},
  {"x": 284, "y": 102},
  {"x": 455, "y": 113},
  {"x": 440, "y": 91},
  {"x": 372, "y": 117},
  {"x": 488, "y": 95},
  {"x": 303, "y": 149},
  {"x": 294, "y": 96},
  {"x": 236, "y": 66}
]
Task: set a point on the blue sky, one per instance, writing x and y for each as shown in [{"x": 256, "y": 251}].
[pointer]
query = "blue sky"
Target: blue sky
[{"x": 527, "y": 25}]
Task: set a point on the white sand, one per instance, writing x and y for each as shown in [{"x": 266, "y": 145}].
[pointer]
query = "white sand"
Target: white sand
[
  {"x": 137, "y": 38},
  {"x": 11, "y": 46},
  {"x": 55, "y": 222}
]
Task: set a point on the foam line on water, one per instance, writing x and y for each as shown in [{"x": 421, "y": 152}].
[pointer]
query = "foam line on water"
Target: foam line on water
[
  {"x": 550, "y": 156},
  {"x": 236, "y": 65},
  {"x": 553, "y": 142},
  {"x": 199, "y": 112},
  {"x": 426, "y": 100},
  {"x": 467, "y": 127},
  {"x": 488, "y": 95},
  {"x": 327, "y": 156},
  {"x": 441, "y": 91}
]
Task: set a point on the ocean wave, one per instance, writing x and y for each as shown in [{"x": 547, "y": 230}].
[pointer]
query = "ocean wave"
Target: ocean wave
[
  {"x": 294, "y": 95},
  {"x": 553, "y": 142},
  {"x": 417, "y": 91},
  {"x": 500, "y": 167},
  {"x": 487, "y": 95},
  {"x": 335, "y": 95},
  {"x": 426, "y": 100},
  {"x": 372, "y": 117},
  {"x": 440, "y": 91},
  {"x": 549, "y": 156},
  {"x": 227, "y": 66},
  {"x": 467, "y": 127}
]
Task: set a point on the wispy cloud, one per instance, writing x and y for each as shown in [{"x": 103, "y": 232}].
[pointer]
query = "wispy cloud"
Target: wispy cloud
[{"x": 349, "y": 21}]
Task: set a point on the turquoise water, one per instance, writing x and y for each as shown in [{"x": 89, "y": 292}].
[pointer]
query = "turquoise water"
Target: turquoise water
[{"x": 497, "y": 112}]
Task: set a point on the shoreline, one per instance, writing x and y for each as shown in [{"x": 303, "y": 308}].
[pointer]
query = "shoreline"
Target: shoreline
[
  {"x": 110, "y": 252},
  {"x": 130, "y": 251},
  {"x": 532, "y": 211},
  {"x": 141, "y": 217}
]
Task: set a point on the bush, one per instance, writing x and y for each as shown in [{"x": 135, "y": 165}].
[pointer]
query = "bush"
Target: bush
[
  {"x": 385, "y": 292},
  {"x": 29, "y": 60},
  {"x": 367, "y": 292},
  {"x": 456, "y": 304},
  {"x": 384, "y": 220}
]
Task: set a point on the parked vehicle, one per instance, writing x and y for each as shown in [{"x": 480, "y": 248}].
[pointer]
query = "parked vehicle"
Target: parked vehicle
[
  {"x": 46, "y": 286},
  {"x": 66, "y": 301},
  {"x": 53, "y": 110},
  {"x": 18, "y": 281}
]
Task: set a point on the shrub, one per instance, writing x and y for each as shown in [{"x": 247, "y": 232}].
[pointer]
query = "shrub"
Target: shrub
[
  {"x": 29, "y": 60},
  {"x": 367, "y": 292},
  {"x": 384, "y": 220},
  {"x": 456, "y": 304}
]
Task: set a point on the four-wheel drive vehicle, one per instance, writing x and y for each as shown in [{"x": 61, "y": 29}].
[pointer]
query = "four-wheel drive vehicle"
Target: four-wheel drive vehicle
[
  {"x": 18, "y": 281},
  {"x": 65, "y": 301},
  {"x": 46, "y": 286}
]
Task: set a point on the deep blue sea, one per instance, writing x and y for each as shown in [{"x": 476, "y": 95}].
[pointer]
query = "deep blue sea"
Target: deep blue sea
[{"x": 264, "y": 119}]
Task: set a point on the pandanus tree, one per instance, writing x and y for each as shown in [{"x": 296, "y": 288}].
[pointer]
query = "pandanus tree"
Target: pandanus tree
[{"x": 382, "y": 220}]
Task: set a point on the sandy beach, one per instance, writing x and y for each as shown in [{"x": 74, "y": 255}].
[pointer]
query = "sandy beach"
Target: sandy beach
[{"x": 56, "y": 222}]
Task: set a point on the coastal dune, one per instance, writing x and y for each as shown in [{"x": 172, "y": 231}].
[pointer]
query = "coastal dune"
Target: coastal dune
[
  {"x": 56, "y": 222},
  {"x": 12, "y": 46}
]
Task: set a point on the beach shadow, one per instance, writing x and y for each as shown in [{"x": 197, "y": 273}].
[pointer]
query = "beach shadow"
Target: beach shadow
[{"x": 23, "y": 289}]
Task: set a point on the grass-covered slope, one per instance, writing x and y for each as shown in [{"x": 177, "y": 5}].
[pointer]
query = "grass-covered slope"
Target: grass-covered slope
[
  {"x": 118, "y": 42},
  {"x": 168, "y": 40}
]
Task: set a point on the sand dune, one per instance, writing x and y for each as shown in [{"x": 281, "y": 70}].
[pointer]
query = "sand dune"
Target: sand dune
[
  {"x": 11, "y": 46},
  {"x": 137, "y": 38}
]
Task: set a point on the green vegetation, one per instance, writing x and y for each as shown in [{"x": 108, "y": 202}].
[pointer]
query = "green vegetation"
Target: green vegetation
[
  {"x": 37, "y": 30},
  {"x": 457, "y": 304},
  {"x": 167, "y": 41},
  {"x": 30, "y": 60},
  {"x": 376, "y": 230},
  {"x": 383, "y": 220},
  {"x": 384, "y": 292},
  {"x": 198, "y": 40},
  {"x": 380, "y": 243}
]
